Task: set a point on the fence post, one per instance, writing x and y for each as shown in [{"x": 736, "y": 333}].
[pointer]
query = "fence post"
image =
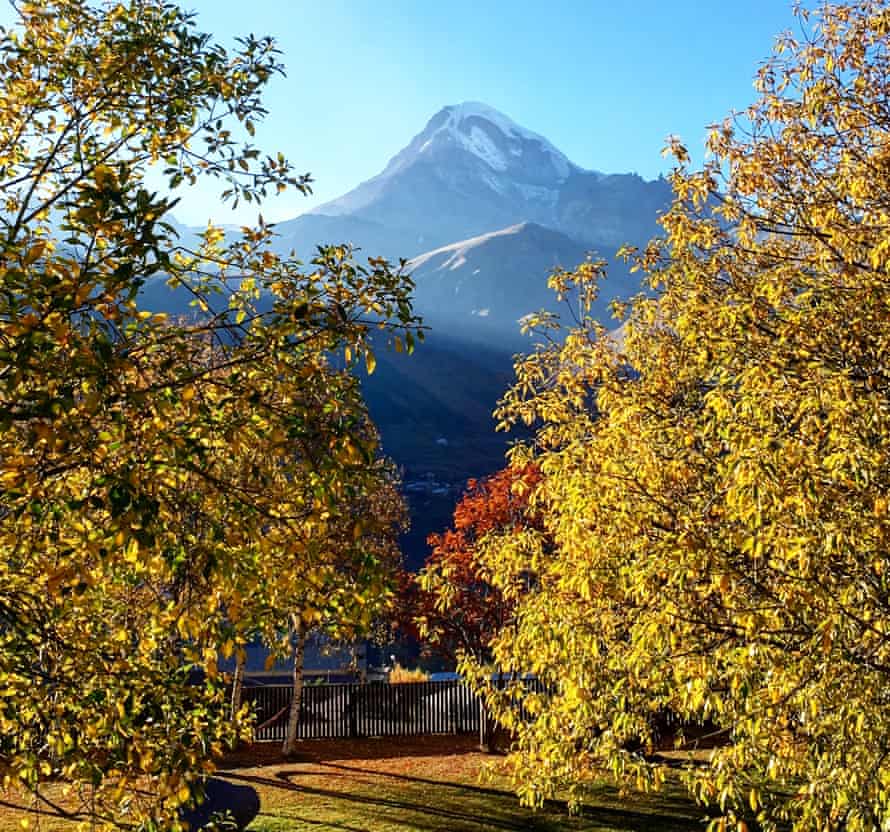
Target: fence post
[{"x": 350, "y": 711}]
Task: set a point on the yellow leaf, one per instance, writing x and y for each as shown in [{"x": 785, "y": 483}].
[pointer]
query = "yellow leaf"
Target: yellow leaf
[{"x": 34, "y": 253}]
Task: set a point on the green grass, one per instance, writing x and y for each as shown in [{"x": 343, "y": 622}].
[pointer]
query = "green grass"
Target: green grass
[
  {"x": 423, "y": 785},
  {"x": 436, "y": 789},
  {"x": 451, "y": 807}
]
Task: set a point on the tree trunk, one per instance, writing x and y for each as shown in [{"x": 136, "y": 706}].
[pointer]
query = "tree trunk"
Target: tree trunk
[
  {"x": 237, "y": 682},
  {"x": 298, "y": 639},
  {"x": 487, "y": 725},
  {"x": 484, "y": 730}
]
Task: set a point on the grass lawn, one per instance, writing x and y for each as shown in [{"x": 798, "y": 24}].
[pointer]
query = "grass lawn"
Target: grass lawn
[{"x": 395, "y": 785}]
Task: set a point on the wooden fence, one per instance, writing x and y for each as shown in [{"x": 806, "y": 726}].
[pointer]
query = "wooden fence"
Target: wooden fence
[{"x": 369, "y": 710}]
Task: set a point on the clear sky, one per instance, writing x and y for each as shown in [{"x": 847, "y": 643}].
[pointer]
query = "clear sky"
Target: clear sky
[{"x": 605, "y": 80}]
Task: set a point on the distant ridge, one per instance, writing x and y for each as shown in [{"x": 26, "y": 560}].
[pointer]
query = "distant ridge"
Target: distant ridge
[
  {"x": 458, "y": 251},
  {"x": 484, "y": 285}
]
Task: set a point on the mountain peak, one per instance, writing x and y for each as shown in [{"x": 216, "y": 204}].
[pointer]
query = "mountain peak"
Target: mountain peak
[
  {"x": 454, "y": 115},
  {"x": 467, "y": 147},
  {"x": 490, "y": 136},
  {"x": 473, "y": 169}
]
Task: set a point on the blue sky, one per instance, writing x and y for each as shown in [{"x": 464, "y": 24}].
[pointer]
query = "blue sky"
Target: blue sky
[{"x": 606, "y": 82}]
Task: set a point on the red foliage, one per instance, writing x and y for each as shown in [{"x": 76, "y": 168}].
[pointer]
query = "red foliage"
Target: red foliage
[{"x": 460, "y": 609}]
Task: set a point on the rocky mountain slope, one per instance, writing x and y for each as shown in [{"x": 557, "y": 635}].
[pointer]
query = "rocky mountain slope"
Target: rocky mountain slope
[
  {"x": 483, "y": 287},
  {"x": 473, "y": 170}
]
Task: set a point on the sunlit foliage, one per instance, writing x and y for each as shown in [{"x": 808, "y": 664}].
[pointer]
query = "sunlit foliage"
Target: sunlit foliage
[
  {"x": 716, "y": 476},
  {"x": 153, "y": 468}
]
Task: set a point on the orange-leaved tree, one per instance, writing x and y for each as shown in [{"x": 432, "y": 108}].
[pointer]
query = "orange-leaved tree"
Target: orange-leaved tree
[{"x": 452, "y": 603}]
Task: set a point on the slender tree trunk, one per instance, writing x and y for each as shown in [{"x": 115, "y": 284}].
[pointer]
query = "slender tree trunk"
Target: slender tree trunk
[
  {"x": 237, "y": 682},
  {"x": 484, "y": 727},
  {"x": 487, "y": 725},
  {"x": 298, "y": 639}
]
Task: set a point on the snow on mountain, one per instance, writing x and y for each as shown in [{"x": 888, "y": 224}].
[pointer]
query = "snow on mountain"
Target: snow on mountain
[
  {"x": 455, "y": 254},
  {"x": 465, "y": 147},
  {"x": 492, "y": 137},
  {"x": 473, "y": 170},
  {"x": 489, "y": 135}
]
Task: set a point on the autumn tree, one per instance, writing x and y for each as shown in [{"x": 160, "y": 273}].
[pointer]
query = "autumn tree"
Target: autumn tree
[
  {"x": 357, "y": 564},
  {"x": 715, "y": 478},
  {"x": 344, "y": 598},
  {"x": 451, "y": 604},
  {"x": 151, "y": 467}
]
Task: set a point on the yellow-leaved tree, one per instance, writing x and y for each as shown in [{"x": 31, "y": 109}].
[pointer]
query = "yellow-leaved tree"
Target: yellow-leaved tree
[
  {"x": 156, "y": 472},
  {"x": 715, "y": 478}
]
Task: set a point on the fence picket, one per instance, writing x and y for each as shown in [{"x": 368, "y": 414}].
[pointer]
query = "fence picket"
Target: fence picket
[{"x": 367, "y": 710}]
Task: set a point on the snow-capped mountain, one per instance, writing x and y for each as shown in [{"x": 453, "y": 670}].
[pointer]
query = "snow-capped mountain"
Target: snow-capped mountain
[
  {"x": 473, "y": 170},
  {"x": 493, "y": 138},
  {"x": 486, "y": 208},
  {"x": 502, "y": 155}
]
